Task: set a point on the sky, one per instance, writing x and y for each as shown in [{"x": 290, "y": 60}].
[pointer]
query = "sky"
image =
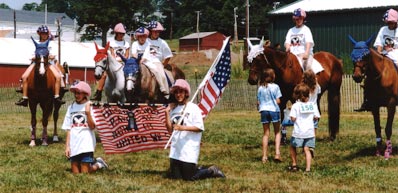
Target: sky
[{"x": 17, "y": 4}]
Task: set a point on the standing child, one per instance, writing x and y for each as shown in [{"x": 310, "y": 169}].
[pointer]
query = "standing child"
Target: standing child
[
  {"x": 303, "y": 114},
  {"x": 80, "y": 138},
  {"x": 185, "y": 145},
  {"x": 268, "y": 100},
  {"x": 309, "y": 78}
]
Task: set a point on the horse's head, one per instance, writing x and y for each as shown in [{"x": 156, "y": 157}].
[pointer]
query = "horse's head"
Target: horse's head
[
  {"x": 131, "y": 70},
  {"x": 41, "y": 55},
  {"x": 359, "y": 56},
  {"x": 100, "y": 61},
  {"x": 256, "y": 61}
]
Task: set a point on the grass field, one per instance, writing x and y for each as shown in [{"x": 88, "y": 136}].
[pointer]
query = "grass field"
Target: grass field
[{"x": 232, "y": 140}]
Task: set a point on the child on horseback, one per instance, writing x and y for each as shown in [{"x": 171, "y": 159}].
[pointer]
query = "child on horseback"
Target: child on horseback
[
  {"x": 118, "y": 45},
  {"x": 157, "y": 56},
  {"x": 303, "y": 114},
  {"x": 386, "y": 43},
  {"x": 80, "y": 138},
  {"x": 268, "y": 99},
  {"x": 44, "y": 35},
  {"x": 138, "y": 47},
  {"x": 185, "y": 145},
  {"x": 299, "y": 40}
]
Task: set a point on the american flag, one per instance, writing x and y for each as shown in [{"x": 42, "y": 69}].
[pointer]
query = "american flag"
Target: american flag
[
  {"x": 123, "y": 131},
  {"x": 216, "y": 80}
]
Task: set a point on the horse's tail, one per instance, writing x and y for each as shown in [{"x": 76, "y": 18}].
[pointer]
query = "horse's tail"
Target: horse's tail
[{"x": 334, "y": 97}]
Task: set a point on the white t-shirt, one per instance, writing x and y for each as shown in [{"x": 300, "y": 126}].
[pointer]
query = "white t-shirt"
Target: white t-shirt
[
  {"x": 267, "y": 97},
  {"x": 159, "y": 47},
  {"x": 304, "y": 114},
  {"x": 386, "y": 35},
  {"x": 314, "y": 95},
  {"x": 185, "y": 145},
  {"x": 82, "y": 138},
  {"x": 137, "y": 48},
  {"x": 298, "y": 38},
  {"x": 119, "y": 46}
]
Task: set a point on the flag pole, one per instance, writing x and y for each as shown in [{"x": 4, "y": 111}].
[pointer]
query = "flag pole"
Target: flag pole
[{"x": 201, "y": 85}]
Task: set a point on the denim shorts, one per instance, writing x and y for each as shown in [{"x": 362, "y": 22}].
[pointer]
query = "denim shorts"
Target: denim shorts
[
  {"x": 316, "y": 122},
  {"x": 83, "y": 157},
  {"x": 270, "y": 116},
  {"x": 300, "y": 142}
]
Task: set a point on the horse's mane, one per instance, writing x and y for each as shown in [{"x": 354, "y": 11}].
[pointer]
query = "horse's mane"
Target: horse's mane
[{"x": 386, "y": 68}]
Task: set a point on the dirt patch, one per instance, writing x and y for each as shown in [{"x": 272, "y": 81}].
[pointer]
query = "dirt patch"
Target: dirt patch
[{"x": 201, "y": 58}]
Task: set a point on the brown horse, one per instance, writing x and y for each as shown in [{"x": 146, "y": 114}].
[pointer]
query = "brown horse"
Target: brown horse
[
  {"x": 41, "y": 83},
  {"x": 145, "y": 88},
  {"x": 380, "y": 89},
  {"x": 289, "y": 73}
]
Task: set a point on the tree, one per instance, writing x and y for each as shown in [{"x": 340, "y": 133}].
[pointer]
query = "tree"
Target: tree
[
  {"x": 30, "y": 7},
  {"x": 105, "y": 14},
  {"x": 4, "y": 6}
]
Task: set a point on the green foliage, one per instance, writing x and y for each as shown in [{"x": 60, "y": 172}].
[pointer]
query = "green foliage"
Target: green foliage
[
  {"x": 347, "y": 64},
  {"x": 4, "y": 6}
]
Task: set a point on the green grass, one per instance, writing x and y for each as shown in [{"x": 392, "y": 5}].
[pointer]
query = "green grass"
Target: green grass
[{"x": 232, "y": 140}]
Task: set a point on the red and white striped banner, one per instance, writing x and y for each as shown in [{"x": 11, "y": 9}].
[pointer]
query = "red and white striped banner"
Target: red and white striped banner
[{"x": 123, "y": 131}]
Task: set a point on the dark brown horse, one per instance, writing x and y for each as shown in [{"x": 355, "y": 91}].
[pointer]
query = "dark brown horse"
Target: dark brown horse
[
  {"x": 41, "y": 83},
  {"x": 381, "y": 87},
  {"x": 145, "y": 88},
  {"x": 289, "y": 73}
]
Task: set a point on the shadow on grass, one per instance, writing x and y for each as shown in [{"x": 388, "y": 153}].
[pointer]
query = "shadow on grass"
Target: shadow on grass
[{"x": 364, "y": 152}]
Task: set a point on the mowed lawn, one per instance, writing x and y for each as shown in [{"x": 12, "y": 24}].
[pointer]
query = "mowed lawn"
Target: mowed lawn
[{"x": 232, "y": 140}]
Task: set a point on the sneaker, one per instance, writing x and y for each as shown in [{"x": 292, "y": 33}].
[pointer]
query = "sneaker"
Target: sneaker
[
  {"x": 216, "y": 172},
  {"x": 22, "y": 102},
  {"x": 101, "y": 162},
  {"x": 364, "y": 107},
  {"x": 59, "y": 101},
  {"x": 19, "y": 90}
]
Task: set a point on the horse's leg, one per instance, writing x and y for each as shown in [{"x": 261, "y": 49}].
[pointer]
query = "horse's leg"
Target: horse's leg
[
  {"x": 333, "y": 112},
  {"x": 55, "y": 117},
  {"x": 33, "y": 122},
  {"x": 376, "y": 121},
  {"x": 47, "y": 109},
  {"x": 388, "y": 130}
]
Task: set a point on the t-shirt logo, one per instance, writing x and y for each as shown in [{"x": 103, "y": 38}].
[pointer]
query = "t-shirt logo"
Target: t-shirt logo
[
  {"x": 389, "y": 42},
  {"x": 78, "y": 120},
  {"x": 295, "y": 41}
]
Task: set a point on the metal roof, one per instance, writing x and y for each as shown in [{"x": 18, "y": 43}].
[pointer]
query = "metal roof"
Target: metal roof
[
  {"x": 198, "y": 35},
  {"x": 33, "y": 17},
  {"x": 334, "y": 5}
]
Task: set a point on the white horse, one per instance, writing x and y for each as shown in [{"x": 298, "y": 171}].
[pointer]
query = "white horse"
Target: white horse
[{"x": 115, "y": 81}]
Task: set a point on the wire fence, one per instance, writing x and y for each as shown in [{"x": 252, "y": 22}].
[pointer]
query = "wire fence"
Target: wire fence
[{"x": 238, "y": 95}]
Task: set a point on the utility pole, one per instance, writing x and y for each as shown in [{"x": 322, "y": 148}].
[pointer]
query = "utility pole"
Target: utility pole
[
  {"x": 197, "y": 27},
  {"x": 235, "y": 28},
  {"x": 247, "y": 22}
]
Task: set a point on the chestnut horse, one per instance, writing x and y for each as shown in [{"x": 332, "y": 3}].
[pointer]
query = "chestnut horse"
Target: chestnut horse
[
  {"x": 41, "y": 83},
  {"x": 144, "y": 87},
  {"x": 380, "y": 88},
  {"x": 289, "y": 73}
]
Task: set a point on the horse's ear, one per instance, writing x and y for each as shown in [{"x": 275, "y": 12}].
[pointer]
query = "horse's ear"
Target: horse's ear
[
  {"x": 34, "y": 41},
  {"x": 352, "y": 40},
  {"x": 370, "y": 40},
  {"x": 96, "y": 46},
  {"x": 249, "y": 43},
  {"x": 107, "y": 45},
  {"x": 262, "y": 42}
]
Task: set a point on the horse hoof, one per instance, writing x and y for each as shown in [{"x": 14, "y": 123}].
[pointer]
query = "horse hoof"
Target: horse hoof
[
  {"x": 44, "y": 143},
  {"x": 55, "y": 138},
  {"x": 386, "y": 155},
  {"x": 32, "y": 143}
]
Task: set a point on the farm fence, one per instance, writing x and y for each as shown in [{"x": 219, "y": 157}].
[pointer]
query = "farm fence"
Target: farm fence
[{"x": 238, "y": 95}]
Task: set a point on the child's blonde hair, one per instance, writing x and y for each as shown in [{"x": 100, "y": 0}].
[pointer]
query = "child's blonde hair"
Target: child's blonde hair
[
  {"x": 309, "y": 78},
  {"x": 301, "y": 92},
  {"x": 267, "y": 76}
]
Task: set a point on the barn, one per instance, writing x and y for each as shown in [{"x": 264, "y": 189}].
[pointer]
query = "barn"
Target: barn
[
  {"x": 332, "y": 21},
  {"x": 16, "y": 54},
  {"x": 207, "y": 40}
]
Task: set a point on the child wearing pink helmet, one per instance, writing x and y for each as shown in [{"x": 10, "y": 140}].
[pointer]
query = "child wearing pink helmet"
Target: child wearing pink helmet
[
  {"x": 117, "y": 45},
  {"x": 79, "y": 125},
  {"x": 157, "y": 55},
  {"x": 299, "y": 39},
  {"x": 386, "y": 43},
  {"x": 185, "y": 145}
]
